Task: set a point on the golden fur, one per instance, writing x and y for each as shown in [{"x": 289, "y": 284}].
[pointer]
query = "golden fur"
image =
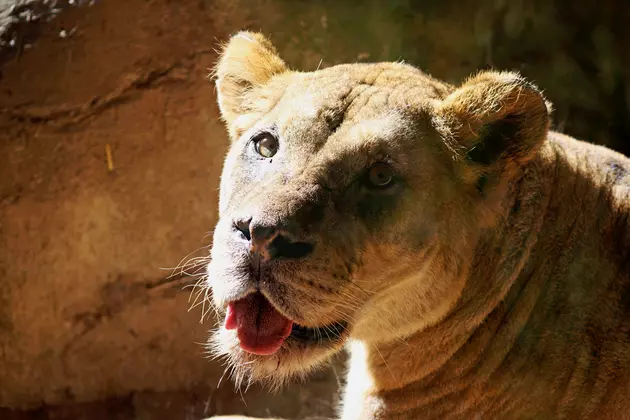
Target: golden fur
[{"x": 492, "y": 281}]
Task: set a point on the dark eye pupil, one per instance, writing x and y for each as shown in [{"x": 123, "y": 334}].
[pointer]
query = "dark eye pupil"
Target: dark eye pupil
[
  {"x": 266, "y": 145},
  {"x": 380, "y": 175}
]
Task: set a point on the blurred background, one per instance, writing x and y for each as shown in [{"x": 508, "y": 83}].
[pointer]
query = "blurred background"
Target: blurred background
[{"x": 111, "y": 149}]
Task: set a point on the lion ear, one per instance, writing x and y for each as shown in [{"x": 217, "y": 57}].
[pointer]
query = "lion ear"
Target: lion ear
[
  {"x": 495, "y": 120},
  {"x": 248, "y": 60}
]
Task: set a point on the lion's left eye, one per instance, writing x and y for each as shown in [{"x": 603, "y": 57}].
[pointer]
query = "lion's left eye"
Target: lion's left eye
[
  {"x": 266, "y": 145},
  {"x": 380, "y": 175}
]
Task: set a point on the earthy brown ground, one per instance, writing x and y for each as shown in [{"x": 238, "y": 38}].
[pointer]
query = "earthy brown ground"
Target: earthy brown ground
[{"x": 90, "y": 325}]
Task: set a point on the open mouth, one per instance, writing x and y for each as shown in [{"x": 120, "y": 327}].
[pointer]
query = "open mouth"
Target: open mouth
[{"x": 262, "y": 329}]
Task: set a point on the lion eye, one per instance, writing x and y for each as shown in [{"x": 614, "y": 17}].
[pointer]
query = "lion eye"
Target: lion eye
[
  {"x": 380, "y": 175},
  {"x": 266, "y": 145}
]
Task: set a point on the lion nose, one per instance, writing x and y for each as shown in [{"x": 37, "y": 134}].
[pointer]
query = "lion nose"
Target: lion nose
[{"x": 272, "y": 242}]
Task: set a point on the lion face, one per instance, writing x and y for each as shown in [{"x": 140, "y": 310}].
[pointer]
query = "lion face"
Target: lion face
[{"x": 349, "y": 201}]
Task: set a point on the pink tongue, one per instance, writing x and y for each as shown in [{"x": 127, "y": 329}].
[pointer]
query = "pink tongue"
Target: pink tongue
[{"x": 260, "y": 327}]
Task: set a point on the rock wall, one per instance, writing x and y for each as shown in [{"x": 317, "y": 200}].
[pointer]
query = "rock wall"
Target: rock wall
[{"x": 87, "y": 312}]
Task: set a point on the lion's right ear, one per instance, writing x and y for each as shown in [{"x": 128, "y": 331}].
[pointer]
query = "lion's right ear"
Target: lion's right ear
[{"x": 248, "y": 60}]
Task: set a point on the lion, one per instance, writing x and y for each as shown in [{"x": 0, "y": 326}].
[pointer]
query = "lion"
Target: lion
[{"x": 474, "y": 263}]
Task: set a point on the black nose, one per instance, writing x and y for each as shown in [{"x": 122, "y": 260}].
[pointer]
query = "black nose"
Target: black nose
[
  {"x": 243, "y": 227},
  {"x": 272, "y": 242}
]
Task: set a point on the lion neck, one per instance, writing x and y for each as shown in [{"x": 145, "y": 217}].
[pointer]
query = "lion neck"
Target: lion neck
[{"x": 444, "y": 361}]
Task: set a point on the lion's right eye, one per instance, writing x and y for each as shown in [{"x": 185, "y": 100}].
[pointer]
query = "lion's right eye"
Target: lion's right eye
[{"x": 266, "y": 144}]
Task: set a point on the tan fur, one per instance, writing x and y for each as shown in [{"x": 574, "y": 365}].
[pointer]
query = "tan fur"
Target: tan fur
[{"x": 493, "y": 282}]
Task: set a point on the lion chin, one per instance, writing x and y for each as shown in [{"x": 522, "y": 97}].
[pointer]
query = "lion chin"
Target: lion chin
[
  {"x": 473, "y": 263},
  {"x": 293, "y": 361}
]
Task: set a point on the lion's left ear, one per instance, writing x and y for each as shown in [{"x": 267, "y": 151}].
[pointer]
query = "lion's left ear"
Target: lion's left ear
[
  {"x": 247, "y": 61},
  {"x": 495, "y": 120}
]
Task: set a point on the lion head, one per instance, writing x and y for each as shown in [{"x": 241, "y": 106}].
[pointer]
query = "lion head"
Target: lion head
[{"x": 351, "y": 199}]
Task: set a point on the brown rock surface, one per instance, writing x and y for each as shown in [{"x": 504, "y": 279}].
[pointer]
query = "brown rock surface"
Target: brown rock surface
[{"x": 85, "y": 310}]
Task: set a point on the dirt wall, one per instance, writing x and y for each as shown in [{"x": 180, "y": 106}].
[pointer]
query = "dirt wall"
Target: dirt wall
[{"x": 85, "y": 309}]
